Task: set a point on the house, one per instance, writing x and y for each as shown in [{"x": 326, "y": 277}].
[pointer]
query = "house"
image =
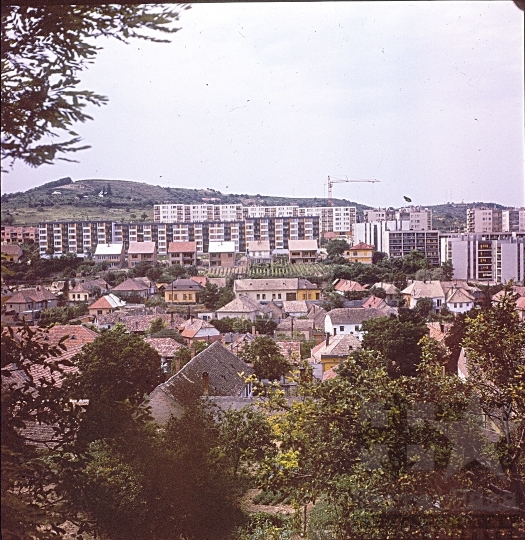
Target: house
[
  {"x": 201, "y": 280},
  {"x": 11, "y": 252},
  {"x": 242, "y": 307},
  {"x": 140, "y": 324},
  {"x": 142, "y": 252},
  {"x": 183, "y": 253},
  {"x": 425, "y": 289},
  {"x": 295, "y": 308},
  {"x": 87, "y": 290},
  {"x": 373, "y": 302},
  {"x": 390, "y": 289},
  {"x": 28, "y": 303},
  {"x": 302, "y": 251},
  {"x": 198, "y": 330},
  {"x": 459, "y": 300},
  {"x": 213, "y": 372},
  {"x": 292, "y": 327},
  {"x": 317, "y": 314},
  {"x": 166, "y": 347},
  {"x": 238, "y": 342},
  {"x": 12, "y": 234},
  {"x": 274, "y": 289},
  {"x": 222, "y": 253},
  {"x": 361, "y": 252},
  {"x": 331, "y": 352},
  {"x": 106, "y": 304},
  {"x": 133, "y": 287},
  {"x": 273, "y": 311},
  {"x": 349, "y": 320},
  {"x": 258, "y": 251},
  {"x": 290, "y": 349},
  {"x": 182, "y": 291},
  {"x": 345, "y": 285},
  {"x": 112, "y": 255},
  {"x": 76, "y": 335},
  {"x": 306, "y": 290}
]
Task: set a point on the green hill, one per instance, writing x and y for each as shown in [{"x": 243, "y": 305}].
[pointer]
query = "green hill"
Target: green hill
[{"x": 126, "y": 200}]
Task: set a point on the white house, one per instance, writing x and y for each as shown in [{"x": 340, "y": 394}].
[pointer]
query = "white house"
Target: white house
[
  {"x": 258, "y": 251},
  {"x": 111, "y": 254},
  {"x": 459, "y": 300},
  {"x": 424, "y": 289},
  {"x": 349, "y": 320},
  {"x": 242, "y": 307}
]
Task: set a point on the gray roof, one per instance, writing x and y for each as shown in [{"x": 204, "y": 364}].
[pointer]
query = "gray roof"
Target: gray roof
[
  {"x": 183, "y": 285},
  {"x": 226, "y": 375},
  {"x": 271, "y": 284},
  {"x": 353, "y": 315}
]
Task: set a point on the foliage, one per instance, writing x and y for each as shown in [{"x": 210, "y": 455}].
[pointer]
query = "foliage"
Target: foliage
[
  {"x": 397, "y": 339},
  {"x": 169, "y": 333},
  {"x": 116, "y": 371},
  {"x": 181, "y": 358},
  {"x": 336, "y": 248},
  {"x": 424, "y": 306},
  {"x": 332, "y": 300},
  {"x": 358, "y": 443},
  {"x": 156, "y": 325},
  {"x": 263, "y": 325},
  {"x": 266, "y": 358},
  {"x": 44, "y": 49},
  {"x": 494, "y": 346},
  {"x": 62, "y": 315},
  {"x": 31, "y": 505}
]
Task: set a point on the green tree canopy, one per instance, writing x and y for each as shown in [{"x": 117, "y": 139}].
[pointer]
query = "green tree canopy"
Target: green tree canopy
[{"x": 266, "y": 358}]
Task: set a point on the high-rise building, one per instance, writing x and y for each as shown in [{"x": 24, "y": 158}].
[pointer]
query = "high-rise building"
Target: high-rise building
[
  {"x": 419, "y": 219},
  {"x": 494, "y": 257},
  {"x": 484, "y": 220},
  {"x": 513, "y": 220}
]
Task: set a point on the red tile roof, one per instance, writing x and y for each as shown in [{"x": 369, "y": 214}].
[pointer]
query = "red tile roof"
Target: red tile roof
[{"x": 182, "y": 247}]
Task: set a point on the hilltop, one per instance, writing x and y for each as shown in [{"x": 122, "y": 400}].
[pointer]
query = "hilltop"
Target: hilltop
[{"x": 128, "y": 200}]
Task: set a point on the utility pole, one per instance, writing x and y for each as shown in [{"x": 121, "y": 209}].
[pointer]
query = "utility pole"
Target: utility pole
[{"x": 332, "y": 181}]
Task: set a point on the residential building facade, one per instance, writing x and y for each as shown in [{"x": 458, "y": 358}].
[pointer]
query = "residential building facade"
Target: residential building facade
[{"x": 11, "y": 234}]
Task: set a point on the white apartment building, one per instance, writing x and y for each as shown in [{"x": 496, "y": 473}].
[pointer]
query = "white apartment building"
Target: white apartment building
[
  {"x": 419, "y": 219},
  {"x": 513, "y": 220},
  {"x": 484, "y": 220},
  {"x": 338, "y": 219},
  {"x": 494, "y": 257}
]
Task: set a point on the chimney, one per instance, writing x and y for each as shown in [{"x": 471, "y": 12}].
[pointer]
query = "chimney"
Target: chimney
[
  {"x": 327, "y": 338},
  {"x": 205, "y": 383}
]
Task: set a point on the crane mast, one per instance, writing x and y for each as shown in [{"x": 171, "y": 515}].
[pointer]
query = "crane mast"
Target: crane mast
[{"x": 332, "y": 181}]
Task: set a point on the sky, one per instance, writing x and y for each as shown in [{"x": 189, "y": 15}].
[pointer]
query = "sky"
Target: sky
[{"x": 272, "y": 98}]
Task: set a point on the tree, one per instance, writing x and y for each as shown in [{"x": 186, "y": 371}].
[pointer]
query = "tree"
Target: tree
[
  {"x": 397, "y": 339},
  {"x": 448, "y": 271},
  {"x": 31, "y": 506},
  {"x": 44, "y": 50},
  {"x": 336, "y": 248},
  {"x": 266, "y": 358},
  {"x": 494, "y": 345},
  {"x": 156, "y": 325},
  {"x": 116, "y": 371},
  {"x": 209, "y": 296},
  {"x": 424, "y": 306}
]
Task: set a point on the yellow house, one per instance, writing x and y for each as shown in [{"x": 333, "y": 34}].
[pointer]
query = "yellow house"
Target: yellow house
[
  {"x": 330, "y": 353},
  {"x": 182, "y": 291},
  {"x": 306, "y": 290},
  {"x": 361, "y": 252}
]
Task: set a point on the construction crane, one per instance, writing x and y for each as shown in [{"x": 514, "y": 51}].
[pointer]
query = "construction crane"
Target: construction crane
[{"x": 332, "y": 181}]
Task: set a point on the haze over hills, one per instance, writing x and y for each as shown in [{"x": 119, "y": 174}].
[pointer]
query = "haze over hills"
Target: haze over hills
[{"x": 129, "y": 200}]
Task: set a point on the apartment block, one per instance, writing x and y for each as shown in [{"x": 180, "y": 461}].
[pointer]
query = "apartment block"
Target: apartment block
[
  {"x": 484, "y": 220},
  {"x": 419, "y": 219},
  {"x": 11, "y": 234},
  {"x": 396, "y": 238},
  {"x": 82, "y": 237},
  {"x": 491, "y": 257},
  {"x": 331, "y": 219},
  {"x": 513, "y": 220}
]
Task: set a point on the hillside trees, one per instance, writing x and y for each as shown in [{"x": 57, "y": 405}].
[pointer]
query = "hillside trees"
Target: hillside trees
[{"x": 44, "y": 49}]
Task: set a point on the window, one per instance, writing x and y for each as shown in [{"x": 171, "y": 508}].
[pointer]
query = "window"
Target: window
[
  {"x": 264, "y": 297},
  {"x": 341, "y": 329},
  {"x": 357, "y": 328},
  {"x": 455, "y": 304},
  {"x": 99, "y": 312},
  {"x": 279, "y": 296},
  {"x": 258, "y": 297}
]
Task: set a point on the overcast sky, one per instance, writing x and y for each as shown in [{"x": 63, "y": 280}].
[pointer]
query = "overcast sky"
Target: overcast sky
[{"x": 272, "y": 98}]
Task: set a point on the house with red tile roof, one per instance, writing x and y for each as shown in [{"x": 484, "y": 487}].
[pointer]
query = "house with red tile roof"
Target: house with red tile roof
[
  {"x": 198, "y": 330},
  {"x": 28, "y": 303},
  {"x": 183, "y": 253},
  {"x": 86, "y": 291},
  {"x": 346, "y": 285},
  {"x": 142, "y": 252},
  {"x": 131, "y": 287},
  {"x": 106, "y": 304}
]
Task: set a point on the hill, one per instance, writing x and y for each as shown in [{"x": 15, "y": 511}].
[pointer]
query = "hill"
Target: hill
[{"x": 125, "y": 200}]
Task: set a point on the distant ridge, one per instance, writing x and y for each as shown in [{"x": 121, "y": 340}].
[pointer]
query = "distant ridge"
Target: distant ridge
[{"x": 124, "y": 200}]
